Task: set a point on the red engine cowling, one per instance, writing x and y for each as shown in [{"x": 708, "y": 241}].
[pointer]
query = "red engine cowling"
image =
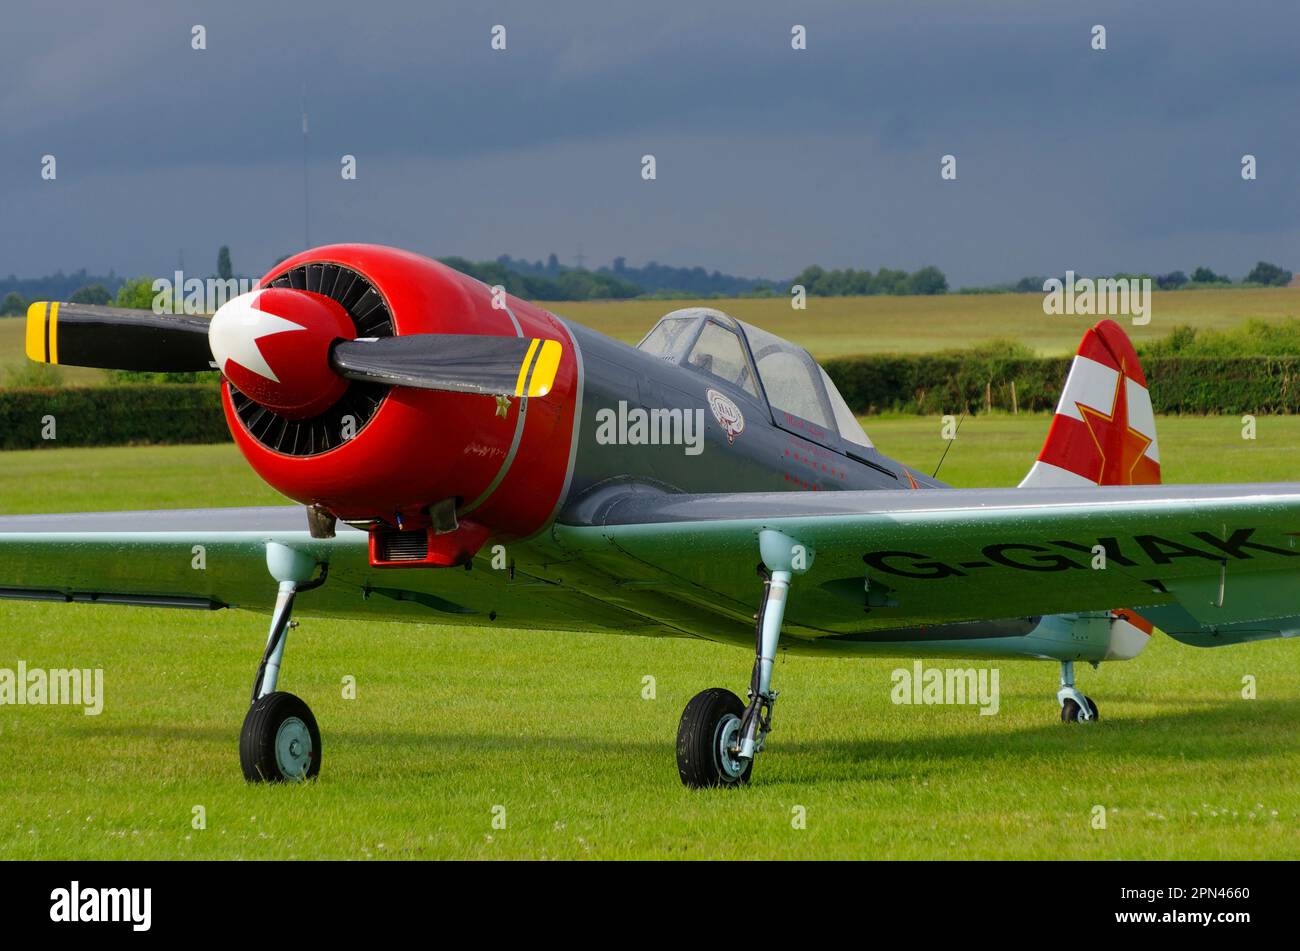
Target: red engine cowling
[{"x": 504, "y": 468}]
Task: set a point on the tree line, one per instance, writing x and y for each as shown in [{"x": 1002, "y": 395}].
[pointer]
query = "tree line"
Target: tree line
[
  {"x": 566, "y": 284},
  {"x": 1262, "y": 274},
  {"x": 532, "y": 280},
  {"x": 653, "y": 278},
  {"x": 819, "y": 282},
  {"x": 551, "y": 281}
]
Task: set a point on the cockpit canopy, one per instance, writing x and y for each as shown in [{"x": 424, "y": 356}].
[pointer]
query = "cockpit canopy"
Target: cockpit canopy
[{"x": 744, "y": 357}]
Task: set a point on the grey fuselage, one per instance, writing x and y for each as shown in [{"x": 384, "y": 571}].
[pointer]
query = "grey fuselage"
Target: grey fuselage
[{"x": 770, "y": 454}]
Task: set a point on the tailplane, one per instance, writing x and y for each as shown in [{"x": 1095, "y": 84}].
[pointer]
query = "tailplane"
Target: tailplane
[{"x": 1104, "y": 431}]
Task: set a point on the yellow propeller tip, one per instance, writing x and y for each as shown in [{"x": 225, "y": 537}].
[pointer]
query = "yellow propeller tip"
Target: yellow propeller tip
[
  {"x": 42, "y": 343},
  {"x": 548, "y": 363}
]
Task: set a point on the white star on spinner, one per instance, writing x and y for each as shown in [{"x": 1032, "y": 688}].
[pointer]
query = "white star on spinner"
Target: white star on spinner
[{"x": 237, "y": 326}]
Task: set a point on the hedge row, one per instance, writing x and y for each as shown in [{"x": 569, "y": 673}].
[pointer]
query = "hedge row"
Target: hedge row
[
  {"x": 940, "y": 383},
  {"x": 944, "y": 383},
  {"x": 111, "y": 416}
]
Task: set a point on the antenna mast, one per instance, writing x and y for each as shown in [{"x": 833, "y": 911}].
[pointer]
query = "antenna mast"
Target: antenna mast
[
  {"x": 306, "y": 196},
  {"x": 935, "y": 474}
]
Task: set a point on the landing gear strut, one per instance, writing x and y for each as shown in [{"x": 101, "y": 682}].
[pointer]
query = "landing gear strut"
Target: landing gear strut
[
  {"x": 718, "y": 736},
  {"x": 280, "y": 740},
  {"x": 1075, "y": 707}
]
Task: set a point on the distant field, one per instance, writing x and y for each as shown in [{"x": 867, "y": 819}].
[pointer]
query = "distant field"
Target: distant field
[
  {"x": 450, "y": 725},
  {"x": 13, "y": 356},
  {"x": 839, "y": 326}
]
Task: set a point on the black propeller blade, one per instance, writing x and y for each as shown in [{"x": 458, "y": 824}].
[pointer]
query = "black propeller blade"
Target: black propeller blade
[
  {"x": 118, "y": 339},
  {"x": 462, "y": 363},
  {"x": 113, "y": 338}
]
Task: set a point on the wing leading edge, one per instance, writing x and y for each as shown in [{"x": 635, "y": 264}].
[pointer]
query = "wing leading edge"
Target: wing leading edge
[{"x": 217, "y": 558}]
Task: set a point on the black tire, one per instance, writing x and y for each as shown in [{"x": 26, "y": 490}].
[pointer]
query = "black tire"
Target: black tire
[
  {"x": 1070, "y": 711},
  {"x": 698, "y": 740},
  {"x": 258, "y": 754}
]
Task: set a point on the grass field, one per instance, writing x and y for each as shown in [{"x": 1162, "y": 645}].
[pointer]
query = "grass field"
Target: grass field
[
  {"x": 837, "y": 326},
  {"x": 448, "y": 725}
]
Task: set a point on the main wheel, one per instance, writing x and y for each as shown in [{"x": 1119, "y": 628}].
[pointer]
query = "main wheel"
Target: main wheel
[
  {"x": 1070, "y": 712},
  {"x": 280, "y": 741},
  {"x": 709, "y": 729}
]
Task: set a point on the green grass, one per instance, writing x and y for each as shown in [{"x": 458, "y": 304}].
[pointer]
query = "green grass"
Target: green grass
[
  {"x": 125, "y": 477},
  {"x": 449, "y": 724},
  {"x": 998, "y": 448}
]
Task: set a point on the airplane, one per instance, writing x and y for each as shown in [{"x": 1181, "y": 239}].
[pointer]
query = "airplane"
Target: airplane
[{"x": 457, "y": 456}]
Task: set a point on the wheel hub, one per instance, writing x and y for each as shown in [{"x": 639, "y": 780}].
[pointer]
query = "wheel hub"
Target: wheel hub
[
  {"x": 728, "y": 744},
  {"x": 293, "y": 749}
]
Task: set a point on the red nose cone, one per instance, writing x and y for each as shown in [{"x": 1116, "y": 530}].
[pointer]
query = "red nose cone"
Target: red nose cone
[{"x": 274, "y": 344}]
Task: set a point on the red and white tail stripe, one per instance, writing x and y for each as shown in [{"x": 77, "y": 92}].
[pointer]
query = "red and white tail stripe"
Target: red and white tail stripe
[{"x": 1104, "y": 431}]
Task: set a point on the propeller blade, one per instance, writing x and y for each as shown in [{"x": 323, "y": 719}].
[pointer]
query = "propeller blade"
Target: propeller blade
[
  {"x": 460, "y": 363},
  {"x": 112, "y": 338}
]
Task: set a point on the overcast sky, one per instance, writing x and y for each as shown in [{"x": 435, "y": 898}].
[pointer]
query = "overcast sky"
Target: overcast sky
[{"x": 767, "y": 158}]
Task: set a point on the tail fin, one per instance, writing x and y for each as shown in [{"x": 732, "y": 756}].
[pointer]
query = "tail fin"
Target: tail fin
[{"x": 1104, "y": 431}]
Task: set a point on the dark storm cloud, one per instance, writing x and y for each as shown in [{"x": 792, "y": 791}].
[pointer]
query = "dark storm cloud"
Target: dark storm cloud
[{"x": 769, "y": 159}]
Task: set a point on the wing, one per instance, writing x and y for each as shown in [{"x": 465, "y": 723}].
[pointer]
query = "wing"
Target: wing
[
  {"x": 216, "y": 558},
  {"x": 1208, "y": 564}
]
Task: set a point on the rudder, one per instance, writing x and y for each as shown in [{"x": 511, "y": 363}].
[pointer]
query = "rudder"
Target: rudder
[{"x": 1104, "y": 430}]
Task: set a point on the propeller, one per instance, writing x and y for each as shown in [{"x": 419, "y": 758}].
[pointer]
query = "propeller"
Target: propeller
[
  {"x": 460, "y": 363},
  {"x": 288, "y": 349},
  {"x": 111, "y": 338}
]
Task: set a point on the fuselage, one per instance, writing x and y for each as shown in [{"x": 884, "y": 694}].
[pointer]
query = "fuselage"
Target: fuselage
[{"x": 772, "y": 452}]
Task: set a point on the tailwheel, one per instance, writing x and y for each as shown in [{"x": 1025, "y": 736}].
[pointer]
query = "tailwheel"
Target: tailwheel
[
  {"x": 280, "y": 741},
  {"x": 708, "y": 741},
  {"x": 1072, "y": 712}
]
